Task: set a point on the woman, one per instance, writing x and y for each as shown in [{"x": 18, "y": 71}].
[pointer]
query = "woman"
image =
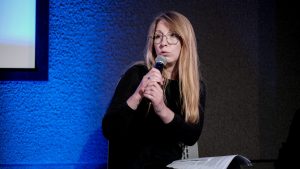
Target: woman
[{"x": 153, "y": 115}]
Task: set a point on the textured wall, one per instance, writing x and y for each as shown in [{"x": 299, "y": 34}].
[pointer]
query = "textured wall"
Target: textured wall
[{"x": 57, "y": 123}]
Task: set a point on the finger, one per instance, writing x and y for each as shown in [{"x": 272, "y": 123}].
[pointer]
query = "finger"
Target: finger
[
  {"x": 157, "y": 79},
  {"x": 154, "y": 90},
  {"x": 151, "y": 87},
  {"x": 148, "y": 94},
  {"x": 155, "y": 70},
  {"x": 154, "y": 84}
]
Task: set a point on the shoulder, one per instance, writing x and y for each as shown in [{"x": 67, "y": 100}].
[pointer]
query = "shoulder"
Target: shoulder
[
  {"x": 132, "y": 77},
  {"x": 135, "y": 71},
  {"x": 137, "y": 67}
]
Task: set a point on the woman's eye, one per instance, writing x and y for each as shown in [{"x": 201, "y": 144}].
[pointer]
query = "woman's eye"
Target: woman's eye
[
  {"x": 157, "y": 36},
  {"x": 173, "y": 34}
]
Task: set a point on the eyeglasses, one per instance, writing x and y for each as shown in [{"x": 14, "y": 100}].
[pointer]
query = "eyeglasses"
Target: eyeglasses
[{"x": 172, "y": 38}]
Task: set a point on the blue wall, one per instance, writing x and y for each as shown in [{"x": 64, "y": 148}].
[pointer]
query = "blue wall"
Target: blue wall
[{"x": 57, "y": 123}]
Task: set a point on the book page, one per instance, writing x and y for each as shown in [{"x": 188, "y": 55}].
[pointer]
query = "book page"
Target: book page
[{"x": 217, "y": 162}]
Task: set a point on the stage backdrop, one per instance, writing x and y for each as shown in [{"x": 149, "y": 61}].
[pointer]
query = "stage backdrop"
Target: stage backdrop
[{"x": 57, "y": 123}]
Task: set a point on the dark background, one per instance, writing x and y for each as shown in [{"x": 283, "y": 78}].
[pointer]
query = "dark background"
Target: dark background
[{"x": 248, "y": 51}]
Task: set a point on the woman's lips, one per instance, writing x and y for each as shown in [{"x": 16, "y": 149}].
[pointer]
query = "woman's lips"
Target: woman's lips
[{"x": 164, "y": 53}]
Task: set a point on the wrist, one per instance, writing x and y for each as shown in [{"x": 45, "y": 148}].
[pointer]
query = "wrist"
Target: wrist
[
  {"x": 133, "y": 101},
  {"x": 165, "y": 114},
  {"x": 136, "y": 97}
]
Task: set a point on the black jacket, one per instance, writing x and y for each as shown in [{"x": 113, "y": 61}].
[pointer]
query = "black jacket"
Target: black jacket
[{"x": 140, "y": 140}]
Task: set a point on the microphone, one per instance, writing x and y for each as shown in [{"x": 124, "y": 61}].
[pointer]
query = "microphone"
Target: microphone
[{"x": 160, "y": 62}]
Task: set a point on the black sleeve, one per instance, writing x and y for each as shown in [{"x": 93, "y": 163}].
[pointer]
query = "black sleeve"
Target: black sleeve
[
  {"x": 118, "y": 117},
  {"x": 185, "y": 132}
]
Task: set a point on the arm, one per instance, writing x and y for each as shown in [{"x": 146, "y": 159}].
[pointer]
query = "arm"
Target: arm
[
  {"x": 184, "y": 132},
  {"x": 119, "y": 118}
]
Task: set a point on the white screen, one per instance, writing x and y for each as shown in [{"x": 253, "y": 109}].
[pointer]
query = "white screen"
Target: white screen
[{"x": 17, "y": 33}]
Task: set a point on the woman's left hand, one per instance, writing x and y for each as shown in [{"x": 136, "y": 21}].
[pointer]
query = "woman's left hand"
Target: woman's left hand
[{"x": 154, "y": 92}]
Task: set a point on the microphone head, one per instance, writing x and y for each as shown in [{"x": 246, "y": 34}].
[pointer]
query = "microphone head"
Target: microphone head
[
  {"x": 161, "y": 59},
  {"x": 160, "y": 62}
]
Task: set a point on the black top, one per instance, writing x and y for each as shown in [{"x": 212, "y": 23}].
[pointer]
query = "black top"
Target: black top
[{"x": 140, "y": 140}]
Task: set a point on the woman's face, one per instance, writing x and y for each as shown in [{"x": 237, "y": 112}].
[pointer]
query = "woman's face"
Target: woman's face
[{"x": 168, "y": 48}]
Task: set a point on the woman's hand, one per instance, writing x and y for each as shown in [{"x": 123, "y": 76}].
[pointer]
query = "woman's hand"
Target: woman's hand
[
  {"x": 153, "y": 90},
  {"x": 153, "y": 76}
]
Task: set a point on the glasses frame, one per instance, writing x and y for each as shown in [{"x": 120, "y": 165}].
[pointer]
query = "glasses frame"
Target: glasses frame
[{"x": 165, "y": 35}]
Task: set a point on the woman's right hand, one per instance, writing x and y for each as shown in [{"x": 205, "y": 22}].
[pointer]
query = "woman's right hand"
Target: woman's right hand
[
  {"x": 153, "y": 75},
  {"x": 134, "y": 100}
]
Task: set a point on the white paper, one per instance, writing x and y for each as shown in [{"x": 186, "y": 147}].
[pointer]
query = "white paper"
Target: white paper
[{"x": 217, "y": 162}]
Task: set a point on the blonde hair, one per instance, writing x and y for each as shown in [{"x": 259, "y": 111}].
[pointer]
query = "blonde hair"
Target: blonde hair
[{"x": 187, "y": 64}]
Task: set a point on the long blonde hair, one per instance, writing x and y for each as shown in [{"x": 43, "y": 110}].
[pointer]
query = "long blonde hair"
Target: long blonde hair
[{"x": 187, "y": 64}]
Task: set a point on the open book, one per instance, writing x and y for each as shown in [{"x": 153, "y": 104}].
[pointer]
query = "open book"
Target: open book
[{"x": 217, "y": 162}]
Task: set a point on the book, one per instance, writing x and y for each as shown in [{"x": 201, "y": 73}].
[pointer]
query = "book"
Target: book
[{"x": 217, "y": 162}]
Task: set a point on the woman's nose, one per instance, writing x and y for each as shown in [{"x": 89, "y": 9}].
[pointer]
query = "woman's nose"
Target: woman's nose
[{"x": 164, "y": 41}]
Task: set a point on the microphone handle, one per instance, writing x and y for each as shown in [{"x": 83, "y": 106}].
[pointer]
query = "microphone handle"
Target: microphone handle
[{"x": 159, "y": 66}]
